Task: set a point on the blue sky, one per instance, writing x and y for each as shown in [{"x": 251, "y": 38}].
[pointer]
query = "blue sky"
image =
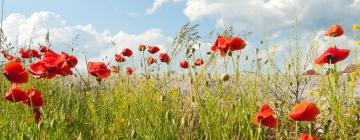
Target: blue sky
[
  {"x": 156, "y": 22},
  {"x": 114, "y": 15}
]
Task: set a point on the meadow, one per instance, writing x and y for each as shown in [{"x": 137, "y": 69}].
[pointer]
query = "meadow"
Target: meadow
[{"x": 182, "y": 94}]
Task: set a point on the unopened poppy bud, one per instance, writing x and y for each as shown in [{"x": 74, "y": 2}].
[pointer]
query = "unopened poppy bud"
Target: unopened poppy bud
[
  {"x": 225, "y": 77},
  {"x": 142, "y": 47},
  {"x": 230, "y": 53}
]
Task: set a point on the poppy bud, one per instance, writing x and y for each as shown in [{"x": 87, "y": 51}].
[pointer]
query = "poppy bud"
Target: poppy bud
[
  {"x": 230, "y": 53},
  {"x": 225, "y": 77},
  {"x": 142, "y": 47}
]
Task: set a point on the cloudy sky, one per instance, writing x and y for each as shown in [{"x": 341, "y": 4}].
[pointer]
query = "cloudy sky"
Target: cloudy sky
[{"x": 155, "y": 22}]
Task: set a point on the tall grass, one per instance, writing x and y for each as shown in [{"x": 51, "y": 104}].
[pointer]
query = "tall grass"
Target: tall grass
[{"x": 193, "y": 106}]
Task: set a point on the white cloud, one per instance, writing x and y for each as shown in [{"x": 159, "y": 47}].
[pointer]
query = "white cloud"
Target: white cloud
[
  {"x": 273, "y": 15},
  {"x": 274, "y": 20},
  {"x": 157, "y": 4},
  {"x": 95, "y": 44}
]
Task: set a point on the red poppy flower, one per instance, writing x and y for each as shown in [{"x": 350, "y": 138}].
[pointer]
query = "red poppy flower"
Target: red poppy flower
[
  {"x": 9, "y": 56},
  {"x": 265, "y": 117},
  {"x": 70, "y": 60},
  {"x": 15, "y": 72},
  {"x": 115, "y": 69},
  {"x": 307, "y": 137},
  {"x": 119, "y": 58},
  {"x": 15, "y": 94},
  {"x": 129, "y": 70},
  {"x": 304, "y": 111},
  {"x": 29, "y": 53},
  {"x": 98, "y": 69},
  {"x": 43, "y": 48},
  {"x": 184, "y": 64},
  {"x": 332, "y": 55},
  {"x": 335, "y": 31},
  {"x": 65, "y": 63},
  {"x": 142, "y": 47},
  {"x": 151, "y": 60},
  {"x": 35, "y": 98},
  {"x": 221, "y": 44},
  {"x": 153, "y": 49},
  {"x": 127, "y": 52},
  {"x": 236, "y": 43},
  {"x": 224, "y": 44},
  {"x": 164, "y": 57},
  {"x": 198, "y": 62},
  {"x": 53, "y": 64}
]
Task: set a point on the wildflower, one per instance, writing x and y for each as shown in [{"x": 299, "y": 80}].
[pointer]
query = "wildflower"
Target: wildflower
[
  {"x": 151, "y": 60},
  {"x": 265, "y": 117},
  {"x": 307, "y": 137},
  {"x": 70, "y": 60},
  {"x": 29, "y": 53},
  {"x": 164, "y": 57},
  {"x": 311, "y": 93},
  {"x": 304, "y": 111},
  {"x": 35, "y": 98},
  {"x": 53, "y": 64},
  {"x": 98, "y": 69},
  {"x": 43, "y": 48},
  {"x": 153, "y": 49},
  {"x": 224, "y": 44},
  {"x": 119, "y": 58},
  {"x": 129, "y": 70},
  {"x": 142, "y": 47},
  {"x": 356, "y": 27},
  {"x": 318, "y": 92},
  {"x": 184, "y": 64},
  {"x": 15, "y": 94},
  {"x": 9, "y": 56},
  {"x": 198, "y": 62},
  {"x": 115, "y": 69},
  {"x": 335, "y": 31},
  {"x": 332, "y": 55},
  {"x": 15, "y": 72},
  {"x": 236, "y": 43},
  {"x": 127, "y": 52}
]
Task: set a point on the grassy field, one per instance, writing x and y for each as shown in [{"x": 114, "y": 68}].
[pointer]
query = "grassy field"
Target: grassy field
[{"x": 197, "y": 103}]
